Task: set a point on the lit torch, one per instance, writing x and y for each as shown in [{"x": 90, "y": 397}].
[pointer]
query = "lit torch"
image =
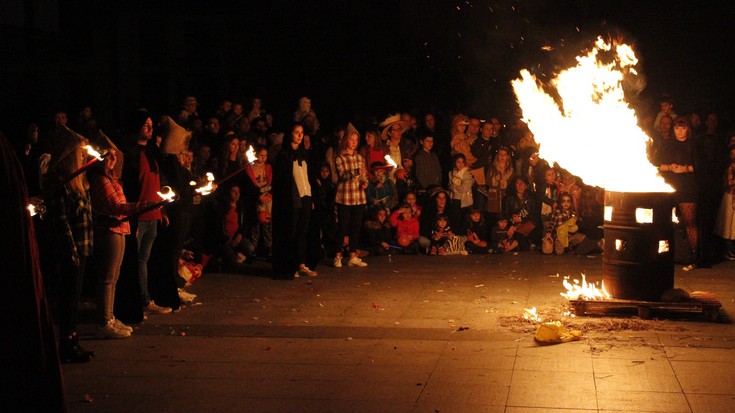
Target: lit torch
[
  {"x": 390, "y": 161},
  {"x": 209, "y": 187},
  {"x": 167, "y": 196},
  {"x": 250, "y": 153},
  {"x": 96, "y": 156}
]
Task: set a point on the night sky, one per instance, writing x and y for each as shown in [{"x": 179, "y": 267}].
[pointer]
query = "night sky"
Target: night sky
[{"x": 376, "y": 57}]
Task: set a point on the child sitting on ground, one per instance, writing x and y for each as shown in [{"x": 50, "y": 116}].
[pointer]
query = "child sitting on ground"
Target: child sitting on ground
[
  {"x": 406, "y": 225},
  {"x": 501, "y": 236},
  {"x": 443, "y": 240},
  {"x": 476, "y": 227},
  {"x": 562, "y": 230},
  {"x": 378, "y": 233}
]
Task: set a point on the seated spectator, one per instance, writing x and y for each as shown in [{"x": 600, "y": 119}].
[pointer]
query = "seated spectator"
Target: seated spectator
[
  {"x": 562, "y": 229},
  {"x": 548, "y": 194},
  {"x": 590, "y": 220},
  {"x": 443, "y": 240},
  {"x": 501, "y": 236},
  {"x": 476, "y": 229},
  {"x": 497, "y": 178},
  {"x": 234, "y": 248},
  {"x": 411, "y": 200},
  {"x": 520, "y": 205},
  {"x": 377, "y": 233},
  {"x": 438, "y": 204},
  {"x": 406, "y": 229}
]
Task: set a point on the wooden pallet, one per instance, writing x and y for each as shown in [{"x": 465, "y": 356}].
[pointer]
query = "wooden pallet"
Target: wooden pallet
[{"x": 702, "y": 303}]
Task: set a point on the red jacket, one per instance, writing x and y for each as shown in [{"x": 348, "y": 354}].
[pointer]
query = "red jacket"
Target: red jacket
[{"x": 404, "y": 226}]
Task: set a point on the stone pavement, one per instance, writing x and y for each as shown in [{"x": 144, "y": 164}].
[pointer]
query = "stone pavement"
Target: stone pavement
[{"x": 410, "y": 334}]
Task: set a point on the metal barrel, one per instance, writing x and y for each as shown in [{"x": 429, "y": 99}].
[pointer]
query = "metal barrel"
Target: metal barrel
[{"x": 638, "y": 259}]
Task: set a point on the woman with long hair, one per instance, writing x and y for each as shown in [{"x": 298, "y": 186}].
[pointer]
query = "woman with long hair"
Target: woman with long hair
[
  {"x": 110, "y": 204},
  {"x": 70, "y": 211},
  {"x": 292, "y": 207}
]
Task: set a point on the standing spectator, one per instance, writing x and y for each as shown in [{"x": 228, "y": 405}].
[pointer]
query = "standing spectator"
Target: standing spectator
[
  {"x": 292, "y": 205},
  {"x": 229, "y": 160},
  {"x": 666, "y": 104},
  {"x": 399, "y": 149},
  {"x": 380, "y": 192},
  {"x": 259, "y": 201},
  {"x": 70, "y": 211},
  {"x": 325, "y": 192},
  {"x": 677, "y": 161},
  {"x": 257, "y": 111},
  {"x": 460, "y": 187},
  {"x": 497, "y": 178},
  {"x": 188, "y": 117},
  {"x": 427, "y": 168},
  {"x": 482, "y": 150},
  {"x": 461, "y": 141},
  {"x": 725, "y": 224},
  {"x": 351, "y": 200},
  {"x": 142, "y": 179},
  {"x": 372, "y": 151},
  {"x": 30, "y": 359},
  {"x": 110, "y": 205},
  {"x": 711, "y": 163}
]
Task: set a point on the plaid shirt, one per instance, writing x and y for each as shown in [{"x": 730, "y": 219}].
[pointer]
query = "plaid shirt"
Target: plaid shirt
[
  {"x": 108, "y": 199},
  {"x": 350, "y": 180},
  {"x": 558, "y": 219},
  {"x": 71, "y": 218}
]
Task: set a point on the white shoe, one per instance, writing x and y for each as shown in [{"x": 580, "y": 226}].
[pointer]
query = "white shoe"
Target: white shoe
[
  {"x": 356, "y": 262},
  {"x": 306, "y": 271},
  {"x": 122, "y": 326},
  {"x": 338, "y": 262},
  {"x": 152, "y": 308},
  {"x": 186, "y": 297},
  {"x": 109, "y": 330}
]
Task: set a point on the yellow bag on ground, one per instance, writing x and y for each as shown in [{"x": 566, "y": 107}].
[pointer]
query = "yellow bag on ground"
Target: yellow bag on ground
[{"x": 554, "y": 332}]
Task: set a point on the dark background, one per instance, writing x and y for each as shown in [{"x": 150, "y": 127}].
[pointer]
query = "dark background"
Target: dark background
[{"x": 351, "y": 58}]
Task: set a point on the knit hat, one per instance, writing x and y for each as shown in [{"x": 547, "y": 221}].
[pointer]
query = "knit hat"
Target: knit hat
[{"x": 135, "y": 121}]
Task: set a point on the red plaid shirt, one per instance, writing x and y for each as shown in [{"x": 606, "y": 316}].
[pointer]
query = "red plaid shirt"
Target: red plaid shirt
[
  {"x": 108, "y": 199},
  {"x": 350, "y": 180}
]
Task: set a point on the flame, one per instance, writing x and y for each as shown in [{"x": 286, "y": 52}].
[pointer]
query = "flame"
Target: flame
[
  {"x": 250, "y": 153},
  {"x": 593, "y": 132},
  {"x": 167, "y": 194},
  {"x": 584, "y": 291},
  {"x": 531, "y": 314},
  {"x": 92, "y": 152},
  {"x": 209, "y": 187},
  {"x": 32, "y": 210},
  {"x": 390, "y": 161}
]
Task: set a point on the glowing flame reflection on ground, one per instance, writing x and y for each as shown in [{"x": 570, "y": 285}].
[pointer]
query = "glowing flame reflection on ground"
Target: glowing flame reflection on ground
[{"x": 592, "y": 131}]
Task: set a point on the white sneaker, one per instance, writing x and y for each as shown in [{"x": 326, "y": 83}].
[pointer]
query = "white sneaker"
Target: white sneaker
[
  {"x": 306, "y": 271},
  {"x": 152, "y": 308},
  {"x": 109, "y": 330},
  {"x": 186, "y": 297},
  {"x": 356, "y": 262},
  {"x": 121, "y": 326},
  {"x": 338, "y": 262}
]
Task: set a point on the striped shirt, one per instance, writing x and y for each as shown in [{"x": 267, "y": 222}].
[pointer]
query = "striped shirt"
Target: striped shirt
[{"x": 350, "y": 179}]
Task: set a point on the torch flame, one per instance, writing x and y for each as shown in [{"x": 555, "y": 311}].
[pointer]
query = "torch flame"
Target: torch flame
[
  {"x": 209, "y": 187},
  {"x": 593, "y": 131},
  {"x": 32, "y": 210},
  {"x": 584, "y": 291},
  {"x": 250, "y": 153},
  {"x": 92, "y": 152},
  {"x": 167, "y": 194},
  {"x": 390, "y": 161}
]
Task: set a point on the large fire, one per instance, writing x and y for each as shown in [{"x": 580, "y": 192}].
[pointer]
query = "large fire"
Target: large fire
[{"x": 592, "y": 131}]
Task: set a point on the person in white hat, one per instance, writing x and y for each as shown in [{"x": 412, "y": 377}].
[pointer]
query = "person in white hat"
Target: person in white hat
[{"x": 396, "y": 147}]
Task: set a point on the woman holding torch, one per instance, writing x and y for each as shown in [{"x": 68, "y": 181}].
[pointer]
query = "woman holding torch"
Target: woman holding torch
[
  {"x": 70, "y": 210},
  {"x": 109, "y": 205}
]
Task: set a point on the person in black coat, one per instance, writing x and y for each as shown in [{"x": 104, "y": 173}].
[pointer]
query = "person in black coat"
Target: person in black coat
[{"x": 292, "y": 206}]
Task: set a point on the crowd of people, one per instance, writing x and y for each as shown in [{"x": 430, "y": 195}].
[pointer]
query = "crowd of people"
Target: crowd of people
[{"x": 297, "y": 196}]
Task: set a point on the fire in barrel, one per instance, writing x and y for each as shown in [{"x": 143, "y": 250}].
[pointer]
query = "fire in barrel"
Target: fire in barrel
[{"x": 590, "y": 129}]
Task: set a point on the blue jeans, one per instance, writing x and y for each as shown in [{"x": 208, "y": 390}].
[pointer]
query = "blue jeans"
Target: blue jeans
[
  {"x": 109, "y": 249},
  {"x": 147, "y": 232}
]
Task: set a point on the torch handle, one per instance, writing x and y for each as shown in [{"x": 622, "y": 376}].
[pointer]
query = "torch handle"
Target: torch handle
[
  {"x": 147, "y": 209},
  {"x": 233, "y": 174}
]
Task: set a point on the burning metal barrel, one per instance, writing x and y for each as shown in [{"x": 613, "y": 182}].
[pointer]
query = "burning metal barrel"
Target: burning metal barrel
[{"x": 638, "y": 263}]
